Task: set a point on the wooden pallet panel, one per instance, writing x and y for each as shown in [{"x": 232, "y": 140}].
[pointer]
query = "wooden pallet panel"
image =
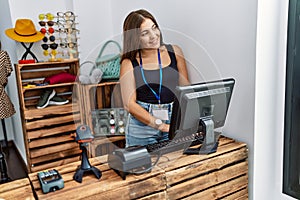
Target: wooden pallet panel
[
  {"x": 57, "y": 155},
  {"x": 222, "y": 190},
  {"x": 203, "y": 166},
  {"x": 52, "y": 149},
  {"x": 109, "y": 186},
  {"x": 204, "y": 182},
  {"x": 54, "y": 164},
  {"x": 198, "y": 173},
  {"x": 50, "y": 141},
  {"x": 32, "y": 112},
  {"x": 47, "y": 132},
  {"x": 238, "y": 195},
  {"x": 18, "y": 189},
  {"x": 51, "y": 121},
  {"x": 219, "y": 178},
  {"x": 33, "y": 134}
]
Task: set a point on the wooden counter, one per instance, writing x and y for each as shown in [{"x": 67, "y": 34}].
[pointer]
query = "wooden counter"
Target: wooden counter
[
  {"x": 221, "y": 175},
  {"x": 18, "y": 189}
]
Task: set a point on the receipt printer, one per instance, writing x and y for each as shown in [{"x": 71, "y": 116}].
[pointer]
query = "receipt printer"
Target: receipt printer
[{"x": 134, "y": 160}]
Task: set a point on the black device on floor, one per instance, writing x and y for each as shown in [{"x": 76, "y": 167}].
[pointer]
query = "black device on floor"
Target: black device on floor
[{"x": 50, "y": 180}]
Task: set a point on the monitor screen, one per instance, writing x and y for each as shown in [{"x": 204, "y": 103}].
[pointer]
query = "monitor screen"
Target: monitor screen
[{"x": 201, "y": 107}]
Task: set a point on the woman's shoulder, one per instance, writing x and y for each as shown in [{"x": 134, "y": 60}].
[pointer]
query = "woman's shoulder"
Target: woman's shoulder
[
  {"x": 126, "y": 64},
  {"x": 174, "y": 47},
  {"x": 126, "y": 61}
]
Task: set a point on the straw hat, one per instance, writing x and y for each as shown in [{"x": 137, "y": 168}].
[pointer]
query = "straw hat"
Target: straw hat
[{"x": 24, "y": 31}]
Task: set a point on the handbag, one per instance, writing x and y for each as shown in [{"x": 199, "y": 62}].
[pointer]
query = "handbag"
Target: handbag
[
  {"x": 93, "y": 77},
  {"x": 109, "y": 64}
]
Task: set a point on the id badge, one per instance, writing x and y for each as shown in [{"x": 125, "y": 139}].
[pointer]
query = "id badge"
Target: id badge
[{"x": 161, "y": 113}]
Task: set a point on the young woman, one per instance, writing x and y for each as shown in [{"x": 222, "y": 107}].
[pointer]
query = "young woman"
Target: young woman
[{"x": 150, "y": 71}]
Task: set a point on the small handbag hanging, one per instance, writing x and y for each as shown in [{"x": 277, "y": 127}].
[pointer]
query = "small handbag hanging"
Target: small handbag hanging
[{"x": 109, "y": 64}]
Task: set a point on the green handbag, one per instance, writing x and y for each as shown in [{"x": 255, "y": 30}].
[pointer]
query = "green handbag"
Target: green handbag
[{"x": 109, "y": 64}]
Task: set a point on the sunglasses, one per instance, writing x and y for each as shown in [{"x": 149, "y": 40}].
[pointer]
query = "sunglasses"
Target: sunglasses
[
  {"x": 49, "y": 23},
  {"x": 69, "y": 44},
  {"x": 63, "y": 24},
  {"x": 51, "y": 38},
  {"x": 70, "y": 23},
  {"x": 70, "y": 38},
  {"x": 66, "y": 15},
  {"x": 53, "y": 52},
  {"x": 52, "y": 46},
  {"x": 67, "y": 52},
  {"x": 47, "y": 16},
  {"x": 50, "y": 30},
  {"x": 64, "y": 52},
  {"x": 68, "y": 30}
]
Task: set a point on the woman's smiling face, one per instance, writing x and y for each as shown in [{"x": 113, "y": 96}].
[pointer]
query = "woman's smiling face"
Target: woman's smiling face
[{"x": 150, "y": 35}]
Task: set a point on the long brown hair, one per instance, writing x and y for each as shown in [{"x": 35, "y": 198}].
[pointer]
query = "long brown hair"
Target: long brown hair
[{"x": 131, "y": 32}]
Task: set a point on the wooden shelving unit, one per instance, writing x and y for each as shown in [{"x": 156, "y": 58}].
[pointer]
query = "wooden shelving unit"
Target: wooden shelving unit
[
  {"x": 97, "y": 96},
  {"x": 48, "y": 132}
]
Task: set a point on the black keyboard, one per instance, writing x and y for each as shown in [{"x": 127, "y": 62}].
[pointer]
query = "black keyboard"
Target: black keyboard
[{"x": 176, "y": 144}]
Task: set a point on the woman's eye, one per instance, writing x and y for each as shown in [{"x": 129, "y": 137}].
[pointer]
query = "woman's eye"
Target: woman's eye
[{"x": 144, "y": 33}]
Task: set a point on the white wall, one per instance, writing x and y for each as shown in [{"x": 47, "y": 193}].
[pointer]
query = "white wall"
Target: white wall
[
  {"x": 220, "y": 39},
  {"x": 269, "y": 99}
]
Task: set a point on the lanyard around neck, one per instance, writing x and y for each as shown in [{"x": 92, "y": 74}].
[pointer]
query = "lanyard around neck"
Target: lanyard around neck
[{"x": 157, "y": 96}]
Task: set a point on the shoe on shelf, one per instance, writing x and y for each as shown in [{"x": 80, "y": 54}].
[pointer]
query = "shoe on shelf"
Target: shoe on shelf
[
  {"x": 45, "y": 98},
  {"x": 56, "y": 100}
]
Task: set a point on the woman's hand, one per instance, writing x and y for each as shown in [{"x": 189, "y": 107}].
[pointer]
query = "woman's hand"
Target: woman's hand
[{"x": 164, "y": 127}]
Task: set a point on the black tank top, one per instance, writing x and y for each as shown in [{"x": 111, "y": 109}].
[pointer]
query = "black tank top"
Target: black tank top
[{"x": 169, "y": 82}]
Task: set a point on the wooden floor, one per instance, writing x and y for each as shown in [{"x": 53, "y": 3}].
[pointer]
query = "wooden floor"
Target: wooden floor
[{"x": 15, "y": 165}]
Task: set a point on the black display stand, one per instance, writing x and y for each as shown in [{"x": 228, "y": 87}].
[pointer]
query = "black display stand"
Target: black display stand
[
  {"x": 3, "y": 165},
  {"x": 4, "y": 133},
  {"x": 3, "y": 168},
  {"x": 28, "y": 51},
  {"x": 83, "y": 137},
  {"x": 85, "y": 166}
]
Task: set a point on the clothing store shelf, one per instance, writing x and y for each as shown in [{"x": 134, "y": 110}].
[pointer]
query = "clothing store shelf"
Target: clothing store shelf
[{"x": 48, "y": 131}]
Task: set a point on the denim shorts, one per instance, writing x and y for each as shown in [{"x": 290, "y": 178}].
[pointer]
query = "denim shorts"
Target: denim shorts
[{"x": 138, "y": 133}]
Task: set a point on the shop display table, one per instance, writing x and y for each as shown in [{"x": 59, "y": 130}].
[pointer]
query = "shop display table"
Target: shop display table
[
  {"x": 220, "y": 175},
  {"x": 18, "y": 189}
]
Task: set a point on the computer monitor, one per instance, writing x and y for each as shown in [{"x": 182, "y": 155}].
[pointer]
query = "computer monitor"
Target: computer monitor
[{"x": 201, "y": 107}]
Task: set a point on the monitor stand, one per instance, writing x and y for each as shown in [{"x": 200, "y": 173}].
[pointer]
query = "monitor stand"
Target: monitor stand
[{"x": 210, "y": 143}]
